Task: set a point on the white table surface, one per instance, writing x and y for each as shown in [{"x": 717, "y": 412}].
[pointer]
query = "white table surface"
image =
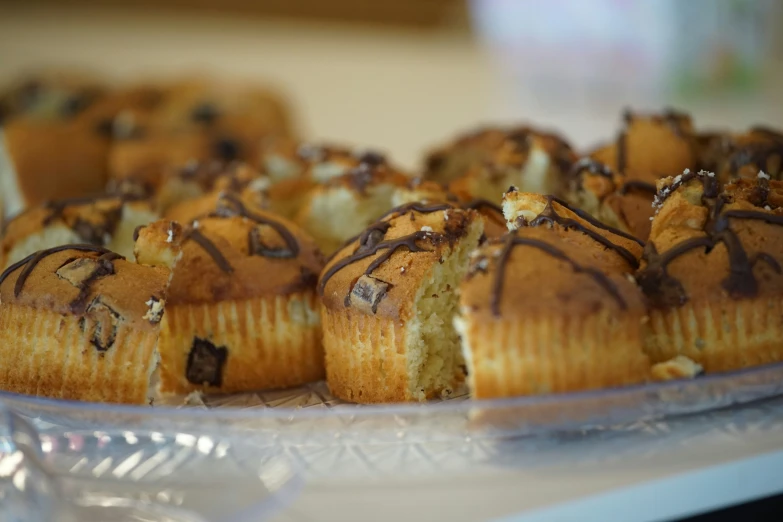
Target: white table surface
[{"x": 402, "y": 91}]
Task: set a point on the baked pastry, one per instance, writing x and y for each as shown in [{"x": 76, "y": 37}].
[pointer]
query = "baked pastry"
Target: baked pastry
[
  {"x": 342, "y": 206},
  {"x": 46, "y": 160},
  {"x": 198, "y": 121},
  {"x": 388, "y": 298},
  {"x": 483, "y": 164},
  {"x": 241, "y": 312},
  {"x": 651, "y": 146},
  {"x": 551, "y": 307},
  {"x": 79, "y": 322},
  {"x": 744, "y": 155},
  {"x": 612, "y": 197},
  {"x": 712, "y": 271},
  {"x": 52, "y": 95},
  {"x": 106, "y": 221},
  {"x": 196, "y": 179}
]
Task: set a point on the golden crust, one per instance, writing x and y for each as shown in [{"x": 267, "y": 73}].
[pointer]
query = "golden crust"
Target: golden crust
[
  {"x": 66, "y": 282},
  {"x": 404, "y": 270},
  {"x": 683, "y": 217},
  {"x": 553, "y": 353},
  {"x": 55, "y": 160},
  {"x": 366, "y": 359},
  {"x": 500, "y": 148},
  {"x": 612, "y": 198},
  {"x": 238, "y": 345},
  {"x": 45, "y": 353},
  {"x": 652, "y": 146},
  {"x": 199, "y": 277},
  {"x": 93, "y": 220},
  {"x": 537, "y": 284}
]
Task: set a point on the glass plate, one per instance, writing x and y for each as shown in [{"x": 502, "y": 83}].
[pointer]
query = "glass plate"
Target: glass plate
[{"x": 307, "y": 430}]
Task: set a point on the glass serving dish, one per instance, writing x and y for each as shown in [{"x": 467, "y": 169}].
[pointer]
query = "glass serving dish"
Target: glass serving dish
[{"x": 161, "y": 463}]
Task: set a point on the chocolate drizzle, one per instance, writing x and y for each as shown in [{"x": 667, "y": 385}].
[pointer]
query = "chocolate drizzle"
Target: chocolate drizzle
[
  {"x": 495, "y": 211},
  {"x": 641, "y": 186},
  {"x": 512, "y": 240},
  {"x": 371, "y": 241},
  {"x": 665, "y": 291},
  {"x": 210, "y": 248},
  {"x": 230, "y": 205},
  {"x": 105, "y": 267},
  {"x": 758, "y": 155}
]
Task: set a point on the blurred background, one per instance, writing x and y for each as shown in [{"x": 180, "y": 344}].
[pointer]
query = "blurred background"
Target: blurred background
[{"x": 401, "y": 75}]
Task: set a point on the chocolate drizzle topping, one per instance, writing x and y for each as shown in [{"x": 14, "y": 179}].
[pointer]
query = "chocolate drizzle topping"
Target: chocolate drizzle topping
[
  {"x": 29, "y": 263},
  {"x": 230, "y": 205},
  {"x": 665, "y": 291},
  {"x": 371, "y": 241},
  {"x": 641, "y": 186},
  {"x": 495, "y": 211},
  {"x": 512, "y": 240}
]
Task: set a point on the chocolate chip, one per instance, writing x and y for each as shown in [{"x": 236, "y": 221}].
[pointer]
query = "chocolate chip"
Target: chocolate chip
[
  {"x": 205, "y": 363},
  {"x": 206, "y": 113},
  {"x": 367, "y": 294},
  {"x": 106, "y": 323},
  {"x": 226, "y": 149}
]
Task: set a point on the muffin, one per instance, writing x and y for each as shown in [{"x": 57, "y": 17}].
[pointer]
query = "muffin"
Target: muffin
[
  {"x": 551, "y": 307},
  {"x": 199, "y": 121},
  {"x": 342, "y": 206},
  {"x": 79, "y": 322},
  {"x": 43, "y": 160},
  {"x": 744, "y": 155},
  {"x": 483, "y": 164},
  {"x": 612, "y": 197},
  {"x": 651, "y": 146},
  {"x": 106, "y": 221},
  {"x": 52, "y": 95},
  {"x": 711, "y": 271},
  {"x": 388, "y": 298},
  {"x": 241, "y": 312}
]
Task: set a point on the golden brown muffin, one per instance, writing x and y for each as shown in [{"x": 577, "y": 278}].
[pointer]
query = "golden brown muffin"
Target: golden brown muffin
[
  {"x": 47, "y": 160},
  {"x": 744, "y": 155},
  {"x": 551, "y": 307},
  {"x": 711, "y": 271},
  {"x": 79, "y": 322},
  {"x": 611, "y": 197},
  {"x": 388, "y": 298},
  {"x": 483, "y": 164},
  {"x": 106, "y": 221},
  {"x": 199, "y": 121},
  {"x": 196, "y": 179},
  {"x": 241, "y": 313},
  {"x": 342, "y": 206},
  {"x": 651, "y": 146},
  {"x": 52, "y": 95},
  {"x": 192, "y": 209}
]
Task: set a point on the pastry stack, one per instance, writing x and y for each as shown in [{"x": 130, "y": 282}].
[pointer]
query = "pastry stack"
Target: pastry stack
[{"x": 178, "y": 237}]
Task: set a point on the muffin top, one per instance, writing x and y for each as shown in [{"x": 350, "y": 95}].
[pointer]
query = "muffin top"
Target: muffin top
[
  {"x": 491, "y": 150},
  {"x": 90, "y": 280},
  {"x": 380, "y": 271},
  {"x": 651, "y": 146},
  {"x": 285, "y": 158},
  {"x": 743, "y": 155},
  {"x": 538, "y": 271},
  {"x": 629, "y": 199},
  {"x": 714, "y": 242},
  {"x": 52, "y": 95},
  {"x": 235, "y": 252},
  {"x": 612, "y": 248},
  {"x": 93, "y": 219}
]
